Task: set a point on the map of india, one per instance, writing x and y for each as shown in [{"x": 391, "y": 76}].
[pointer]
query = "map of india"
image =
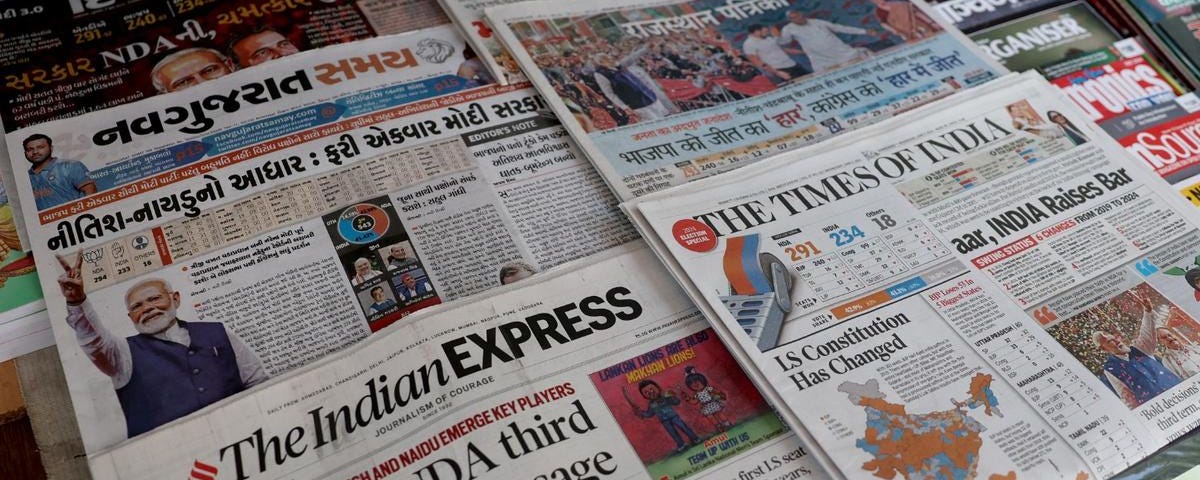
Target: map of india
[{"x": 936, "y": 445}]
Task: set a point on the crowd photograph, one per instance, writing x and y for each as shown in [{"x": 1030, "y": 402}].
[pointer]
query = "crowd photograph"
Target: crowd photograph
[{"x": 611, "y": 75}]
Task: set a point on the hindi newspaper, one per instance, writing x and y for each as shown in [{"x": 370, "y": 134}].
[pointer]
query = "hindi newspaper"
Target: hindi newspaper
[
  {"x": 989, "y": 286},
  {"x": 282, "y": 213},
  {"x": 601, "y": 370},
  {"x": 658, "y": 93}
]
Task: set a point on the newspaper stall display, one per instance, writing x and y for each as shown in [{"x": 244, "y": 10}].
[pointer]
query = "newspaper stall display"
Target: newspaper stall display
[
  {"x": 992, "y": 269},
  {"x": 604, "y": 370},
  {"x": 1171, "y": 25},
  {"x": 468, "y": 15},
  {"x": 662, "y": 92},
  {"x": 283, "y": 213}
]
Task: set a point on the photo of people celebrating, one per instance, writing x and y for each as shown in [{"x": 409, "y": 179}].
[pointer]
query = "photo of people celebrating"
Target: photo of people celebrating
[
  {"x": 619, "y": 68},
  {"x": 1138, "y": 343}
]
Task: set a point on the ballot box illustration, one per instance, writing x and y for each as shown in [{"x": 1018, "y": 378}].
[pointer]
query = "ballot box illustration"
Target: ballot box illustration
[{"x": 759, "y": 289}]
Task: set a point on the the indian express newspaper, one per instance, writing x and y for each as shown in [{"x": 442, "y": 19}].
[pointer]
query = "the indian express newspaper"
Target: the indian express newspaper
[
  {"x": 989, "y": 286},
  {"x": 285, "y": 213},
  {"x": 601, "y": 370},
  {"x": 661, "y": 92}
]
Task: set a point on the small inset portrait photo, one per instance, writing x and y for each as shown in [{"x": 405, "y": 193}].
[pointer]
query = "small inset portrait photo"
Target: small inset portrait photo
[
  {"x": 364, "y": 268},
  {"x": 398, "y": 257},
  {"x": 413, "y": 286},
  {"x": 377, "y": 301}
]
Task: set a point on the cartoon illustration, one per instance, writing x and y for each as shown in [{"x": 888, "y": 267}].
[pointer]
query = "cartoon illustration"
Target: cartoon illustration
[
  {"x": 662, "y": 406},
  {"x": 711, "y": 400},
  {"x": 685, "y": 407}
]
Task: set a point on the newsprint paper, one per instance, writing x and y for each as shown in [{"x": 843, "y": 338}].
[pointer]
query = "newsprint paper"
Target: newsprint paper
[
  {"x": 265, "y": 219},
  {"x": 988, "y": 286},
  {"x": 492, "y": 57},
  {"x": 61, "y": 58},
  {"x": 603, "y": 370},
  {"x": 662, "y": 92}
]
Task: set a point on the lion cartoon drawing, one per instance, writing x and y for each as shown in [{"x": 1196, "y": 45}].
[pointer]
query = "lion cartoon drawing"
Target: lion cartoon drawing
[{"x": 434, "y": 50}]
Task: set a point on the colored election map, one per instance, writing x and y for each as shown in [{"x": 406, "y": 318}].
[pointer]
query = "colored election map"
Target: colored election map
[{"x": 936, "y": 445}]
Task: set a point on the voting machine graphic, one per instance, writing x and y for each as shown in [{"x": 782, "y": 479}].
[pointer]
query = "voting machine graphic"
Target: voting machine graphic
[{"x": 759, "y": 290}]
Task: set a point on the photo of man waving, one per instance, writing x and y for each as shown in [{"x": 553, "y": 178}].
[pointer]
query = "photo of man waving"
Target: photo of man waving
[{"x": 171, "y": 367}]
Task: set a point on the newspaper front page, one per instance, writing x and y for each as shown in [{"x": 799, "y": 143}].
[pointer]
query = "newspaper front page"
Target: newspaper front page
[
  {"x": 992, "y": 269},
  {"x": 602, "y": 370},
  {"x": 662, "y": 92},
  {"x": 61, "y": 58},
  {"x": 295, "y": 209}
]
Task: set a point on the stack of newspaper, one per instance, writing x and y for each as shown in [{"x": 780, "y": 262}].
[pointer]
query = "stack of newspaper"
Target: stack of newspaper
[{"x": 895, "y": 260}]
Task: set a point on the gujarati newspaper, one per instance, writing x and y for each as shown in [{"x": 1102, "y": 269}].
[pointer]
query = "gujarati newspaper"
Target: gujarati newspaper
[
  {"x": 265, "y": 219},
  {"x": 62, "y": 58}
]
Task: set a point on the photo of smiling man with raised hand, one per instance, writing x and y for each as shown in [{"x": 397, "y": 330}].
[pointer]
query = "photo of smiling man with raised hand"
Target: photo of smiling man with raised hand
[{"x": 171, "y": 367}]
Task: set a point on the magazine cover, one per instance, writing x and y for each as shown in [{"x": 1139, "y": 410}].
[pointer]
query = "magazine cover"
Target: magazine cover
[
  {"x": 686, "y": 406},
  {"x": 1046, "y": 37},
  {"x": 1166, "y": 139},
  {"x": 1114, "y": 81},
  {"x": 972, "y": 15}
]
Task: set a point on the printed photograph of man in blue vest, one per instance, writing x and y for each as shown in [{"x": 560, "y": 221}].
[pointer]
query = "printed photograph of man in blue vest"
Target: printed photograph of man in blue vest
[
  {"x": 1133, "y": 371},
  {"x": 171, "y": 367}
]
